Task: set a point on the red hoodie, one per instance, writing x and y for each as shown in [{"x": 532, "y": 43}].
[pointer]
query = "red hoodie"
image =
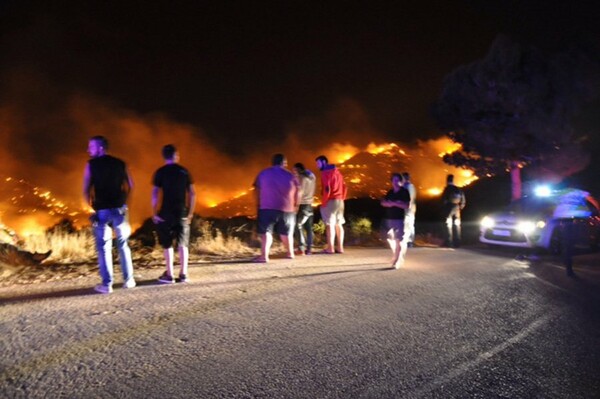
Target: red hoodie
[{"x": 332, "y": 184}]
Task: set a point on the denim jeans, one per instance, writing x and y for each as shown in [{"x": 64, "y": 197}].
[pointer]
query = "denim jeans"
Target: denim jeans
[
  {"x": 106, "y": 221},
  {"x": 304, "y": 221}
]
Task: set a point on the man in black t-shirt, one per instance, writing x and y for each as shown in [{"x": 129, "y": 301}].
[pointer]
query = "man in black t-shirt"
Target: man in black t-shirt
[
  {"x": 106, "y": 185},
  {"x": 175, "y": 213},
  {"x": 395, "y": 202}
]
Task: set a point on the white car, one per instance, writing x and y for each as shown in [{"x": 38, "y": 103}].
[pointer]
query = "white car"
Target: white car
[{"x": 535, "y": 221}]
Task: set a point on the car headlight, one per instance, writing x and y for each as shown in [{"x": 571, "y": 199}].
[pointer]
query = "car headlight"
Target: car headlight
[
  {"x": 540, "y": 224},
  {"x": 526, "y": 227},
  {"x": 487, "y": 222}
]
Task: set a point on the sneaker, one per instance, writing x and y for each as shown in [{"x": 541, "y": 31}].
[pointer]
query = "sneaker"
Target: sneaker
[
  {"x": 103, "y": 289},
  {"x": 129, "y": 283},
  {"x": 166, "y": 279},
  {"x": 183, "y": 278}
]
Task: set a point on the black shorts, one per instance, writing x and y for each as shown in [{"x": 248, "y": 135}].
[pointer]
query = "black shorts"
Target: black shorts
[
  {"x": 393, "y": 229},
  {"x": 271, "y": 220},
  {"x": 177, "y": 230}
]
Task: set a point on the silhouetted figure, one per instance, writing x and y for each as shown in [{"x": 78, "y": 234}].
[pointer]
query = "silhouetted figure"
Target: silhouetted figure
[
  {"x": 453, "y": 202},
  {"x": 411, "y": 211},
  {"x": 106, "y": 186},
  {"x": 333, "y": 194},
  {"x": 304, "y": 217},
  {"x": 395, "y": 202},
  {"x": 174, "y": 214},
  {"x": 277, "y": 196}
]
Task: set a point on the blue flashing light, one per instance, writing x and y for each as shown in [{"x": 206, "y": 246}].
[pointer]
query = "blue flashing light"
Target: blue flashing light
[{"x": 542, "y": 191}]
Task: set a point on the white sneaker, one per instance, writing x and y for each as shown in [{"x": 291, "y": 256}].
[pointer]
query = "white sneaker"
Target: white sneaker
[
  {"x": 103, "y": 289},
  {"x": 129, "y": 283}
]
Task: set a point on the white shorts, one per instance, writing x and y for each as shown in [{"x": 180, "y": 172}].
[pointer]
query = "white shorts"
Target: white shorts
[{"x": 333, "y": 212}]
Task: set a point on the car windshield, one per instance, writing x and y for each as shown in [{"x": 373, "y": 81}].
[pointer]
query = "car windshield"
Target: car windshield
[{"x": 532, "y": 205}]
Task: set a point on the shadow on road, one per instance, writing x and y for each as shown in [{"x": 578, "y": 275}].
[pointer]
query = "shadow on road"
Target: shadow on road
[{"x": 148, "y": 283}]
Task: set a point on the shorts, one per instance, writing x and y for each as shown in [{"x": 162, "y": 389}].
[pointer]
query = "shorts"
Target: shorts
[
  {"x": 173, "y": 229},
  {"x": 393, "y": 229},
  {"x": 333, "y": 212},
  {"x": 272, "y": 220}
]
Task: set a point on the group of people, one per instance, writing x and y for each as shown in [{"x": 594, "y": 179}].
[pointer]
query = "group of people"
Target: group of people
[
  {"x": 106, "y": 186},
  {"x": 285, "y": 207}
]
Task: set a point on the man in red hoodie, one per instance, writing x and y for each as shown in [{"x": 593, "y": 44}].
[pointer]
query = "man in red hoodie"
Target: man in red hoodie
[{"x": 333, "y": 194}]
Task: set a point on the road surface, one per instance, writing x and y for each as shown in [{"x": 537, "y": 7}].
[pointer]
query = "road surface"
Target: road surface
[{"x": 463, "y": 323}]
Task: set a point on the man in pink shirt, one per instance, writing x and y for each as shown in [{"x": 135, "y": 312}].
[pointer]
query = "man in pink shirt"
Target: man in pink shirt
[
  {"x": 277, "y": 195},
  {"x": 333, "y": 194}
]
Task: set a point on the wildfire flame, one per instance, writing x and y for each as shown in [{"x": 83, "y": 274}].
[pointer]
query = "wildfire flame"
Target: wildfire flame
[{"x": 424, "y": 164}]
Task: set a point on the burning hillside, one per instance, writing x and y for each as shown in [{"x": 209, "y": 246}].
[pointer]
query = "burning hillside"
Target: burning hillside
[
  {"x": 367, "y": 175},
  {"x": 29, "y": 209}
]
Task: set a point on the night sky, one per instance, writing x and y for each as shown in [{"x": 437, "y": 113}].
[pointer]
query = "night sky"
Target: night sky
[
  {"x": 248, "y": 72},
  {"x": 232, "y": 82}
]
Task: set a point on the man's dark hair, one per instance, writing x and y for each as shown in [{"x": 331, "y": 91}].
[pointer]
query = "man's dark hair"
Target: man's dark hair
[
  {"x": 450, "y": 179},
  {"x": 278, "y": 160},
  {"x": 406, "y": 176},
  {"x": 398, "y": 175},
  {"x": 322, "y": 158},
  {"x": 101, "y": 140},
  {"x": 168, "y": 152},
  {"x": 300, "y": 167}
]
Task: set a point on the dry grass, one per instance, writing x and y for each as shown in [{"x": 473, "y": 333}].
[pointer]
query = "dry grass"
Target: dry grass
[
  {"x": 212, "y": 241},
  {"x": 77, "y": 247}
]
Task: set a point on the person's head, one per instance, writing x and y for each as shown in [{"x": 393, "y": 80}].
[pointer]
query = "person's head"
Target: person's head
[
  {"x": 299, "y": 168},
  {"x": 97, "y": 146},
  {"x": 450, "y": 179},
  {"x": 169, "y": 153},
  {"x": 321, "y": 161},
  {"x": 279, "y": 160},
  {"x": 397, "y": 180},
  {"x": 406, "y": 176}
]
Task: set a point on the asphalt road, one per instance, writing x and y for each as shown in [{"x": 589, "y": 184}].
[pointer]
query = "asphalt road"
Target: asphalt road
[{"x": 466, "y": 323}]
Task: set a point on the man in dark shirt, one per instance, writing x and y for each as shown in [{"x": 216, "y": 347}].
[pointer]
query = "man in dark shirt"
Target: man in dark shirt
[
  {"x": 175, "y": 213},
  {"x": 453, "y": 201},
  {"x": 106, "y": 185},
  {"x": 395, "y": 202}
]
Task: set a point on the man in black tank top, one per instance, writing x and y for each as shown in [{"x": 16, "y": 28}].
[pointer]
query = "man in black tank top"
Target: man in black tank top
[
  {"x": 106, "y": 185},
  {"x": 173, "y": 215}
]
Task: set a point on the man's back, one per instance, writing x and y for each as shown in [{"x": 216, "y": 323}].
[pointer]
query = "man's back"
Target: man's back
[
  {"x": 108, "y": 179},
  {"x": 174, "y": 180},
  {"x": 453, "y": 196},
  {"x": 278, "y": 188}
]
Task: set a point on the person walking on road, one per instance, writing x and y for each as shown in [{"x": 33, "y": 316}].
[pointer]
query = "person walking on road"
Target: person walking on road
[
  {"x": 333, "y": 194},
  {"x": 175, "y": 212},
  {"x": 106, "y": 187},
  {"x": 277, "y": 195},
  {"x": 395, "y": 202},
  {"x": 453, "y": 202}
]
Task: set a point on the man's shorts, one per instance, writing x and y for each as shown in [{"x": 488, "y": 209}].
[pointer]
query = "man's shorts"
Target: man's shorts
[
  {"x": 393, "y": 229},
  {"x": 176, "y": 229},
  {"x": 333, "y": 212},
  {"x": 271, "y": 220}
]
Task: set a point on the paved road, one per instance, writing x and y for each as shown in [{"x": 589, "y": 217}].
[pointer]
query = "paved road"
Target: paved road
[{"x": 460, "y": 323}]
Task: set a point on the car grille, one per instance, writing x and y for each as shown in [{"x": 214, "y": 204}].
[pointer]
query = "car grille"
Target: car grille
[{"x": 514, "y": 236}]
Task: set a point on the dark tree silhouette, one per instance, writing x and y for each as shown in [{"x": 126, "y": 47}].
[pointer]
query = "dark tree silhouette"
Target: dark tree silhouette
[{"x": 514, "y": 108}]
